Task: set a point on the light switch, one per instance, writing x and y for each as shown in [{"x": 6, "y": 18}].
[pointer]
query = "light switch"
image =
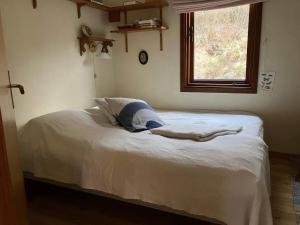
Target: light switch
[{"x": 266, "y": 80}]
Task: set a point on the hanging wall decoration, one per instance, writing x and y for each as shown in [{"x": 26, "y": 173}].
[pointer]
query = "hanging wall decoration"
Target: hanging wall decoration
[{"x": 143, "y": 57}]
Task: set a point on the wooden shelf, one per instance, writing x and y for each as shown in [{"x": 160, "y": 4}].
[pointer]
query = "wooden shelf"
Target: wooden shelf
[
  {"x": 114, "y": 16},
  {"x": 89, "y": 40},
  {"x": 125, "y": 31},
  {"x": 81, "y": 3},
  {"x": 118, "y": 9},
  {"x": 95, "y": 39},
  {"x": 91, "y": 4},
  {"x": 147, "y": 5},
  {"x": 132, "y": 30}
]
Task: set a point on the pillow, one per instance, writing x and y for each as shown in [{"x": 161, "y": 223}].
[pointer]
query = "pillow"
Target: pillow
[
  {"x": 103, "y": 106},
  {"x": 133, "y": 114}
]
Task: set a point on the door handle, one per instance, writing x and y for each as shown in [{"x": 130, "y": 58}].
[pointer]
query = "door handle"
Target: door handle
[
  {"x": 11, "y": 86},
  {"x": 19, "y": 86}
]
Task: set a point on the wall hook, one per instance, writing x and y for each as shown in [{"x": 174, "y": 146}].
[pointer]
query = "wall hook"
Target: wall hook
[{"x": 34, "y": 4}]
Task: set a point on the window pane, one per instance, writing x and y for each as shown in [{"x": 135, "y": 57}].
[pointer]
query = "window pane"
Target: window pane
[{"x": 221, "y": 38}]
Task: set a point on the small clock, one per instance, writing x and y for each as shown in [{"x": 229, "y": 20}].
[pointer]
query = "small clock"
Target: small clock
[{"x": 143, "y": 57}]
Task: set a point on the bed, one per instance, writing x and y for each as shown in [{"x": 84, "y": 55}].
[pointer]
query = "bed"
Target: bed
[{"x": 225, "y": 180}]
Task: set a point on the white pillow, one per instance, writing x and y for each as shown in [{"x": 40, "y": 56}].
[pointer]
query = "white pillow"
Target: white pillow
[
  {"x": 115, "y": 105},
  {"x": 103, "y": 106},
  {"x": 133, "y": 114}
]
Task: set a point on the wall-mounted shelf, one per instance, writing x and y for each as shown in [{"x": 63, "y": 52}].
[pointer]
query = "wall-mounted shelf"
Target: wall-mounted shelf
[
  {"x": 119, "y": 9},
  {"x": 133, "y": 30},
  {"x": 114, "y": 10},
  {"x": 146, "y": 5},
  {"x": 81, "y": 3},
  {"x": 90, "y": 4},
  {"x": 114, "y": 16},
  {"x": 125, "y": 31},
  {"x": 159, "y": 4},
  {"x": 89, "y": 40}
]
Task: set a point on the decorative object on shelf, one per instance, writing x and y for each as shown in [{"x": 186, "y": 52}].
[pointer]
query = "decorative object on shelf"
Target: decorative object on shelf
[
  {"x": 143, "y": 57},
  {"x": 34, "y": 4},
  {"x": 93, "y": 47},
  {"x": 141, "y": 24},
  {"x": 86, "y": 31},
  {"x": 93, "y": 43},
  {"x": 104, "y": 54},
  {"x": 151, "y": 23}
]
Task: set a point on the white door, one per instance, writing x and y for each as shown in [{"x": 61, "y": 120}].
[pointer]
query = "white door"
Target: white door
[{"x": 12, "y": 195}]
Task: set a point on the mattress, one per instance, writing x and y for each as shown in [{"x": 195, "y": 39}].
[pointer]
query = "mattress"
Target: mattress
[{"x": 226, "y": 179}]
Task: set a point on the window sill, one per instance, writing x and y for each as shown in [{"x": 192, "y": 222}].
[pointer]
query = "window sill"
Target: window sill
[{"x": 219, "y": 89}]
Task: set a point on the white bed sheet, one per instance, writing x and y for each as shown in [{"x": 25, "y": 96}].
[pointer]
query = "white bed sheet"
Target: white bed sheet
[{"x": 226, "y": 178}]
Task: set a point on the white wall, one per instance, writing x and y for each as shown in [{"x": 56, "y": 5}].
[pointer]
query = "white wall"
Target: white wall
[
  {"x": 43, "y": 55},
  {"x": 158, "y": 82}
]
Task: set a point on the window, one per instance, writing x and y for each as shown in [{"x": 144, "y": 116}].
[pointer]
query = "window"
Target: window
[{"x": 220, "y": 49}]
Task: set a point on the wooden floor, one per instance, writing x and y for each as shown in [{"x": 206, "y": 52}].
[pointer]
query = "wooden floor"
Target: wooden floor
[
  {"x": 282, "y": 170},
  {"x": 52, "y": 206}
]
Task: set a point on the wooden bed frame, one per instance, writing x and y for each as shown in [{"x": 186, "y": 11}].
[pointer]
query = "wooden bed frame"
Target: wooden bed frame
[{"x": 31, "y": 177}]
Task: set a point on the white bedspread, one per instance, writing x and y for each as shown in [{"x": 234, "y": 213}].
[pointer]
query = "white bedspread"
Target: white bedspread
[{"x": 226, "y": 178}]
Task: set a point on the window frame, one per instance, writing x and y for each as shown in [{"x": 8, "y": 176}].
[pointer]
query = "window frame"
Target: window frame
[{"x": 189, "y": 84}]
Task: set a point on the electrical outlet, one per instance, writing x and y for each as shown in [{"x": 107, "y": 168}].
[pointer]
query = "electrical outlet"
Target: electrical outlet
[{"x": 266, "y": 80}]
